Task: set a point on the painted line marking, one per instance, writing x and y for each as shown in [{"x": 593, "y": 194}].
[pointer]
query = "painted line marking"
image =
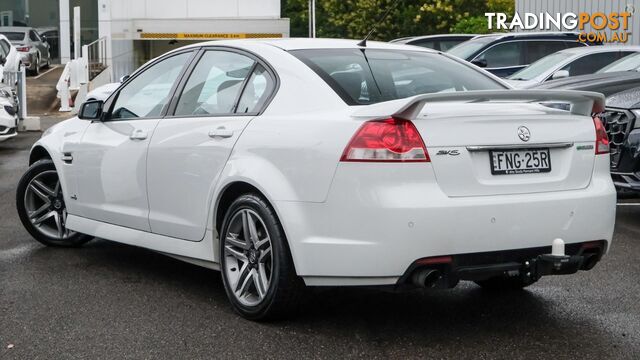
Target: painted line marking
[
  {"x": 46, "y": 72},
  {"x": 628, "y": 204}
]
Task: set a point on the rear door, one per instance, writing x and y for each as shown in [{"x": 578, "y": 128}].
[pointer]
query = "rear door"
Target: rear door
[{"x": 224, "y": 92}]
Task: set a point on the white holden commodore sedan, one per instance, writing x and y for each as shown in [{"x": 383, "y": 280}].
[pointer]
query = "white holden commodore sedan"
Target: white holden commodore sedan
[{"x": 293, "y": 162}]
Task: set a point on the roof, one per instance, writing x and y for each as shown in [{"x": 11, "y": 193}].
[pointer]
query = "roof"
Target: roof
[
  {"x": 542, "y": 34},
  {"x": 436, "y": 36},
  {"x": 15, "y": 28},
  {"x": 315, "y": 43},
  {"x": 580, "y": 50}
]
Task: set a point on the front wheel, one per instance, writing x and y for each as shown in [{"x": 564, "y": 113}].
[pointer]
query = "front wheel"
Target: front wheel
[
  {"x": 41, "y": 207},
  {"x": 256, "y": 265}
]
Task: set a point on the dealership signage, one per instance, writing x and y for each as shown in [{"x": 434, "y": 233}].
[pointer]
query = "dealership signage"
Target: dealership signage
[
  {"x": 205, "y": 36},
  {"x": 599, "y": 22}
]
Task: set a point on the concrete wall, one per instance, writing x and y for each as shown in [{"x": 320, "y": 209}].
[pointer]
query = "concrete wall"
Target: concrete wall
[
  {"x": 590, "y": 6},
  {"x": 193, "y": 9}
]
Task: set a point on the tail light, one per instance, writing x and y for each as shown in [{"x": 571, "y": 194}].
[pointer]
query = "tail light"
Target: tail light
[
  {"x": 23, "y": 48},
  {"x": 390, "y": 140},
  {"x": 602, "y": 141}
]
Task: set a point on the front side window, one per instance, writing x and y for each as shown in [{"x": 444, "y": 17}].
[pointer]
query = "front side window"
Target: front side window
[
  {"x": 506, "y": 54},
  {"x": 363, "y": 77},
  {"x": 5, "y": 46},
  {"x": 215, "y": 84},
  {"x": 147, "y": 94},
  {"x": 536, "y": 50}
]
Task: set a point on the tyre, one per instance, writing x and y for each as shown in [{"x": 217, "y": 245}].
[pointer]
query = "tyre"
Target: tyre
[
  {"x": 257, "y": 269},
  {"x": 41, "y": 207},
  {"x": 36, "y": 68},
  {"x": 504, "y": 283}
]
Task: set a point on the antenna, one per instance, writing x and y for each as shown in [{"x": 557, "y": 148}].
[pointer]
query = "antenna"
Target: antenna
[{"x": 363, "y": 43}]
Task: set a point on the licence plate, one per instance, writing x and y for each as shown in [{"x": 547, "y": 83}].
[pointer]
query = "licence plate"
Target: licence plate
[{"x": 521, "y": 161}]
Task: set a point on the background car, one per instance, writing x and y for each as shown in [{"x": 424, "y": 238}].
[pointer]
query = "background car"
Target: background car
[
  {"x": 102, "y": 92},
  {"x": 437, "y": 42},
  {"x": 504, "y": 54},
  {"x": 628, "y": 63},
  {"x": 620, "y": 119},
  {"x": 8, "y": 113},
  {"x": 34, "y": 51},
  {"x": 570, "y": 62},
  {"x": 10, "y": 54},
  {"x": 211, "y": 154},
  {"x": 52, "y": 36}
]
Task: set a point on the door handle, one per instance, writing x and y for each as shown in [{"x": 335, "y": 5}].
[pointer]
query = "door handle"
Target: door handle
[
  {"x": 220, "y": 133},
  {"x": 67, "y": 158},
  {"x": 138, "y": 134}
]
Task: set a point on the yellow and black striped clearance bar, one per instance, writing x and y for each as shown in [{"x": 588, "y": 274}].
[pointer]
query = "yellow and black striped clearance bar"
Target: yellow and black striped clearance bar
[{"x": 201, "y": 36}]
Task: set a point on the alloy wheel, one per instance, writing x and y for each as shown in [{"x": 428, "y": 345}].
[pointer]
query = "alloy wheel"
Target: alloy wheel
[
  {"x": 44, "y": 203},
  {"x": 248, "y": 257}
]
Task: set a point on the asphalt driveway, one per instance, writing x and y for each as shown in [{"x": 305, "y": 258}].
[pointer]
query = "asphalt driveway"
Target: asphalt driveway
[{"x": 111, "y": 301}]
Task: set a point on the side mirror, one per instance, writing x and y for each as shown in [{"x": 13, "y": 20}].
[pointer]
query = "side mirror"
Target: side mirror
[
  {"x": 91, "y": 110},
  {"x": 560, "y": 74},
  {"x": 480, "y": 62},
  {"x": 124, "y": 78}
]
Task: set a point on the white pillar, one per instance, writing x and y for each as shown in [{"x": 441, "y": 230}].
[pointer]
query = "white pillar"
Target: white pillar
[
  {"x": 104, "y": 30},
  {"x": 65, "y": 32},
  {"x": 77, "y": 45}
]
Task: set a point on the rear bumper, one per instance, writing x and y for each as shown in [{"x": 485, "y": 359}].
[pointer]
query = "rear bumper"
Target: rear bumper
[
  {"x": 530, "y": 264},
  {"x": 377, "y": 221}
]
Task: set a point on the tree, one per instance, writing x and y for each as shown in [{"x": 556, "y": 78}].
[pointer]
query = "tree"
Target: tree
[{"x": 355, "y": 18}]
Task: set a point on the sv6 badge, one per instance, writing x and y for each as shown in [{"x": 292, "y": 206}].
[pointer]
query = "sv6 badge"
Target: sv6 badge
[{"x": 448, "y": 152}]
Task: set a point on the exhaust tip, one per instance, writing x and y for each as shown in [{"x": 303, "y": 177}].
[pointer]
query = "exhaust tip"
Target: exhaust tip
[{"x": 426, "y": 278}]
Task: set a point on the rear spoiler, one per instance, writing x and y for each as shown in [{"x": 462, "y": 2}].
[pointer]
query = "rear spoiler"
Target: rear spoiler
[{"x": 582, "y": 102}]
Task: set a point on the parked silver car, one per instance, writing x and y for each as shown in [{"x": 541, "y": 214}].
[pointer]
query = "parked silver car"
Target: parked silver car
[{"x": 33, "y": 49}]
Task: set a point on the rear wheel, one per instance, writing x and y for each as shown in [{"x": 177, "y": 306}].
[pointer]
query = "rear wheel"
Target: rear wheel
[
  {"x": 41, "y": 207},
  {"x": 504, "y": 283},
  {"x": 257, "y": 268}
]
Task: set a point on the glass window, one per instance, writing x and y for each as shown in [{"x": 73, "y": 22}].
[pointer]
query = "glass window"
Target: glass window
[
  {"x": 362, "y": 77},
  {"x": 148, "y": 93},
  {"x": 5, "y": 46},
  {"x": 33, "y": 36},
  {"x": 214, "y": 84},
  {"x": 430, "y": 44},
  {"x": 628, "y": 63},
  {"x": 14, "y": 36},
  {"x": 468, "y": 48},
  {"x": 536, "y": 50},
  {"x": 446, "y": 45},
  {"x": 257, "y": 91},
  {"x": 503, "y": 55},
  {"x": 589, "y": 64},
  {"x": 541, "y": 66}
]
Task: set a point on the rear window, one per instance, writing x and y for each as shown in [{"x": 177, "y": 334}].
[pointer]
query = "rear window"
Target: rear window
[
  {"x": 14, "y": 36},
  {"x": 364, "y": 77}
]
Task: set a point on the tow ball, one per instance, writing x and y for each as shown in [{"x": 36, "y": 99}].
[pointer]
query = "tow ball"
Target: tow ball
[{"x": 556, "y": 263}]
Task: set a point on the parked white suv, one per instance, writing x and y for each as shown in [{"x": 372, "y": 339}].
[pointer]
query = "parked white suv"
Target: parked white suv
[{"x": 326, "y": 163}]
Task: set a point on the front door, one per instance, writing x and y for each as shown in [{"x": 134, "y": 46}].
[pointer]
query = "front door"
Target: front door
[
  {"x": 190, "y": 149},
  {"x": 111, "y": 158}
]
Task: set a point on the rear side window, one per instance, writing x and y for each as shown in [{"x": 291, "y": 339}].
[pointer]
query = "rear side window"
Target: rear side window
[
  {"x": 536, "y": 50},
  {"x": 33, "y": 36},
  {"x": 589, "y": 64},
  {"x": 257, "y": 91},
  {"x": 503, "y": 55},
  {"x": 215, "y": 84},
  {"x": 363, "y": 77},
  {"x": 14, "y": 36}
]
